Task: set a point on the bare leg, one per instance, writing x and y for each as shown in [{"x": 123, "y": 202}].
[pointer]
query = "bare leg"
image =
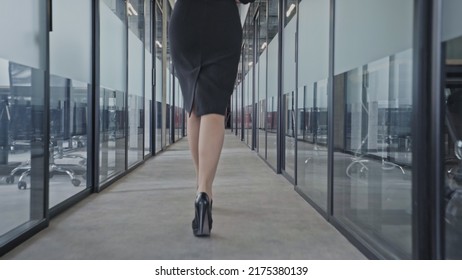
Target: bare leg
[
  {"x": 194, "y": 124},
  {"x": 211, "y": 137}
]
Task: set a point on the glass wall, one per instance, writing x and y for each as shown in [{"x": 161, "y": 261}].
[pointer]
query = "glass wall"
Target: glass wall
[
  {"x": 452, "y": 94},
  {"x": 70, "y": 90},
  {"x": 313, "y": 63},
  {"x": 239, "y": 111},
  {"x": 261, "y": 42},
  {"x": 289, "y": 85},
  {"x": 23, "y": 62},
  {"x": 159, "y": 79},
  {"x": 47, "y": 96},
  {"x": 148, "y": 78},
  {"x": 169, "y": 103},
  {"x": 272, "y": 83},
  {"x": 248, "y": 73},
  {"x": 136, "y": 67},
  {"x": 170, "y": 80},
  {"x": 372, "y": 122},
  {"x": 113, "y": 79},
  {"x": 178, "y": 111}
]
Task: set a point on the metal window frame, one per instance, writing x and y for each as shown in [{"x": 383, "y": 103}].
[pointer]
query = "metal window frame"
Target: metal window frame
[{"x": 427, "y": 177}]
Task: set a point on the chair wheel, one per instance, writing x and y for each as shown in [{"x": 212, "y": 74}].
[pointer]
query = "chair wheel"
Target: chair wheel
[
  {"x": 75, "y": 182},
  {"x": 22, "y": 185},
  {"x": 10, "y": 179}
]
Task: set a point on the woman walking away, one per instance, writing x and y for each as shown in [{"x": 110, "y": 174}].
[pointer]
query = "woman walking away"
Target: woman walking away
[{"x": 205, "y": 43}]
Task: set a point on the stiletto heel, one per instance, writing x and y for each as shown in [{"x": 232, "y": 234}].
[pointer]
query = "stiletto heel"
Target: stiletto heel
[{"x": 202, "y": 223}]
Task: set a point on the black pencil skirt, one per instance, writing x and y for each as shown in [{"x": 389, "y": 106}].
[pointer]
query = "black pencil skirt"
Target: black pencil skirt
[{"x": 205, "y": 45}]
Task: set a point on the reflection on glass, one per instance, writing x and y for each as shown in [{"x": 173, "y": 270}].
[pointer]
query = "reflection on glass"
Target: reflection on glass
[
  {"x": 148, "y": 103},
  {"x": 178, "y": 111},
  {"x": 136, "y": 47},
  {"x": 68, "y": 138},
  {"x": 169, "y": 104},
  {"x": 112, "y": 133},
  {"x": 117, "y": 7},
  {"x": 136, "y": 33},
  {"x": 290, "y": 10},
  {"x": 260, "y": 77},
  {"x": 21, "y": 147},
  {"x": 453, "y": 147},
  {"x": 312, "y": 142},
  {"x": 288, "y": 107},
  {"x": 135, "y": 103},
  {"x": 289, "y": 87},
  {"x": 239, "y": 111},
  {"x": 158, "y": 73},
  {"x": 70, "y": 89},
  {"x": 135, "y": 128},
  {"x": 372, "y": 157},
  {"x": 248, "y": 63},
  {"x": 113, "y": 108},
  {"x": 148, "y": 78},
  {"x": 136, "y": 12},
  {"x": 272, "y": 83}
]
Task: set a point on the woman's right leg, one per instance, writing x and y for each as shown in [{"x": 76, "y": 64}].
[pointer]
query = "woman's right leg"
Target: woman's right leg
[{"x": 212, "y": 133}]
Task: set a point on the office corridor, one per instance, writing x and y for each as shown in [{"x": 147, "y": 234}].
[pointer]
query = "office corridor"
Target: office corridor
[{"x": 148, "y": 213}]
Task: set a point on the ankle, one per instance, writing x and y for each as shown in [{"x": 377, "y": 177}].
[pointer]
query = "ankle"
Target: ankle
[{"x": 209, "y": 194}]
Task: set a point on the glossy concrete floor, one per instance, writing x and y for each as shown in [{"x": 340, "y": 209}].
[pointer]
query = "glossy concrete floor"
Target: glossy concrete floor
[{"x": 147, "y": 215}]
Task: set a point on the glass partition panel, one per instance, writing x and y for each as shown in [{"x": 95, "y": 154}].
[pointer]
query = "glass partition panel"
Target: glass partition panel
[
  {"x": 148, "y": 113},
  {"x": 70, "y": 89},
  {"x": 136, "y": 77},
  {"x": 113, "y": 76},
  {"x": 271, "y": 106},
  {"x": 372, "y": 123},
  {"x": 148, "y": 77},
  {"x": 288, "y": 86},
  {"x": 112, "y": 133},
  {"x": 452, "y": 81},
  {"x": 260, "y": 44},
  {"x": 159, "y": 79},
  {"x": 311, "y": 110},
  {"x": 22, "y": 116}
]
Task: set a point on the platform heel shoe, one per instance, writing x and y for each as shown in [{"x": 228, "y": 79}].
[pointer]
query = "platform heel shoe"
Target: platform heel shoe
[{"x": 202, "y": 223}]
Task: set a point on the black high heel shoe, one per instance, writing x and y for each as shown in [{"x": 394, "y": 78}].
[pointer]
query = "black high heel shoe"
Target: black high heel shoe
[{"x": 202, "y": 223}]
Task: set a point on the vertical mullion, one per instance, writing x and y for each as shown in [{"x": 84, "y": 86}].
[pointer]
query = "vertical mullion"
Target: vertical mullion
[
  {"x": 437, "y": 128},
  {"x": 172, "y": 109},
  {"x": 254, "y": 79},
  {"x": 421, "y": 167},
  {"x": 143, "y": 102},
  {"x": 295, "y": 111},
  {"x": 280, "y": 122},
  {"x": 46, "y": 127},
  {"x": 330, "y": 112},
  {"x": 152, "y": 118},
  {"x": 242, "y": 91},
  {"x": 127, "y": 57},
  {"x": 94, "y": 99}
]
